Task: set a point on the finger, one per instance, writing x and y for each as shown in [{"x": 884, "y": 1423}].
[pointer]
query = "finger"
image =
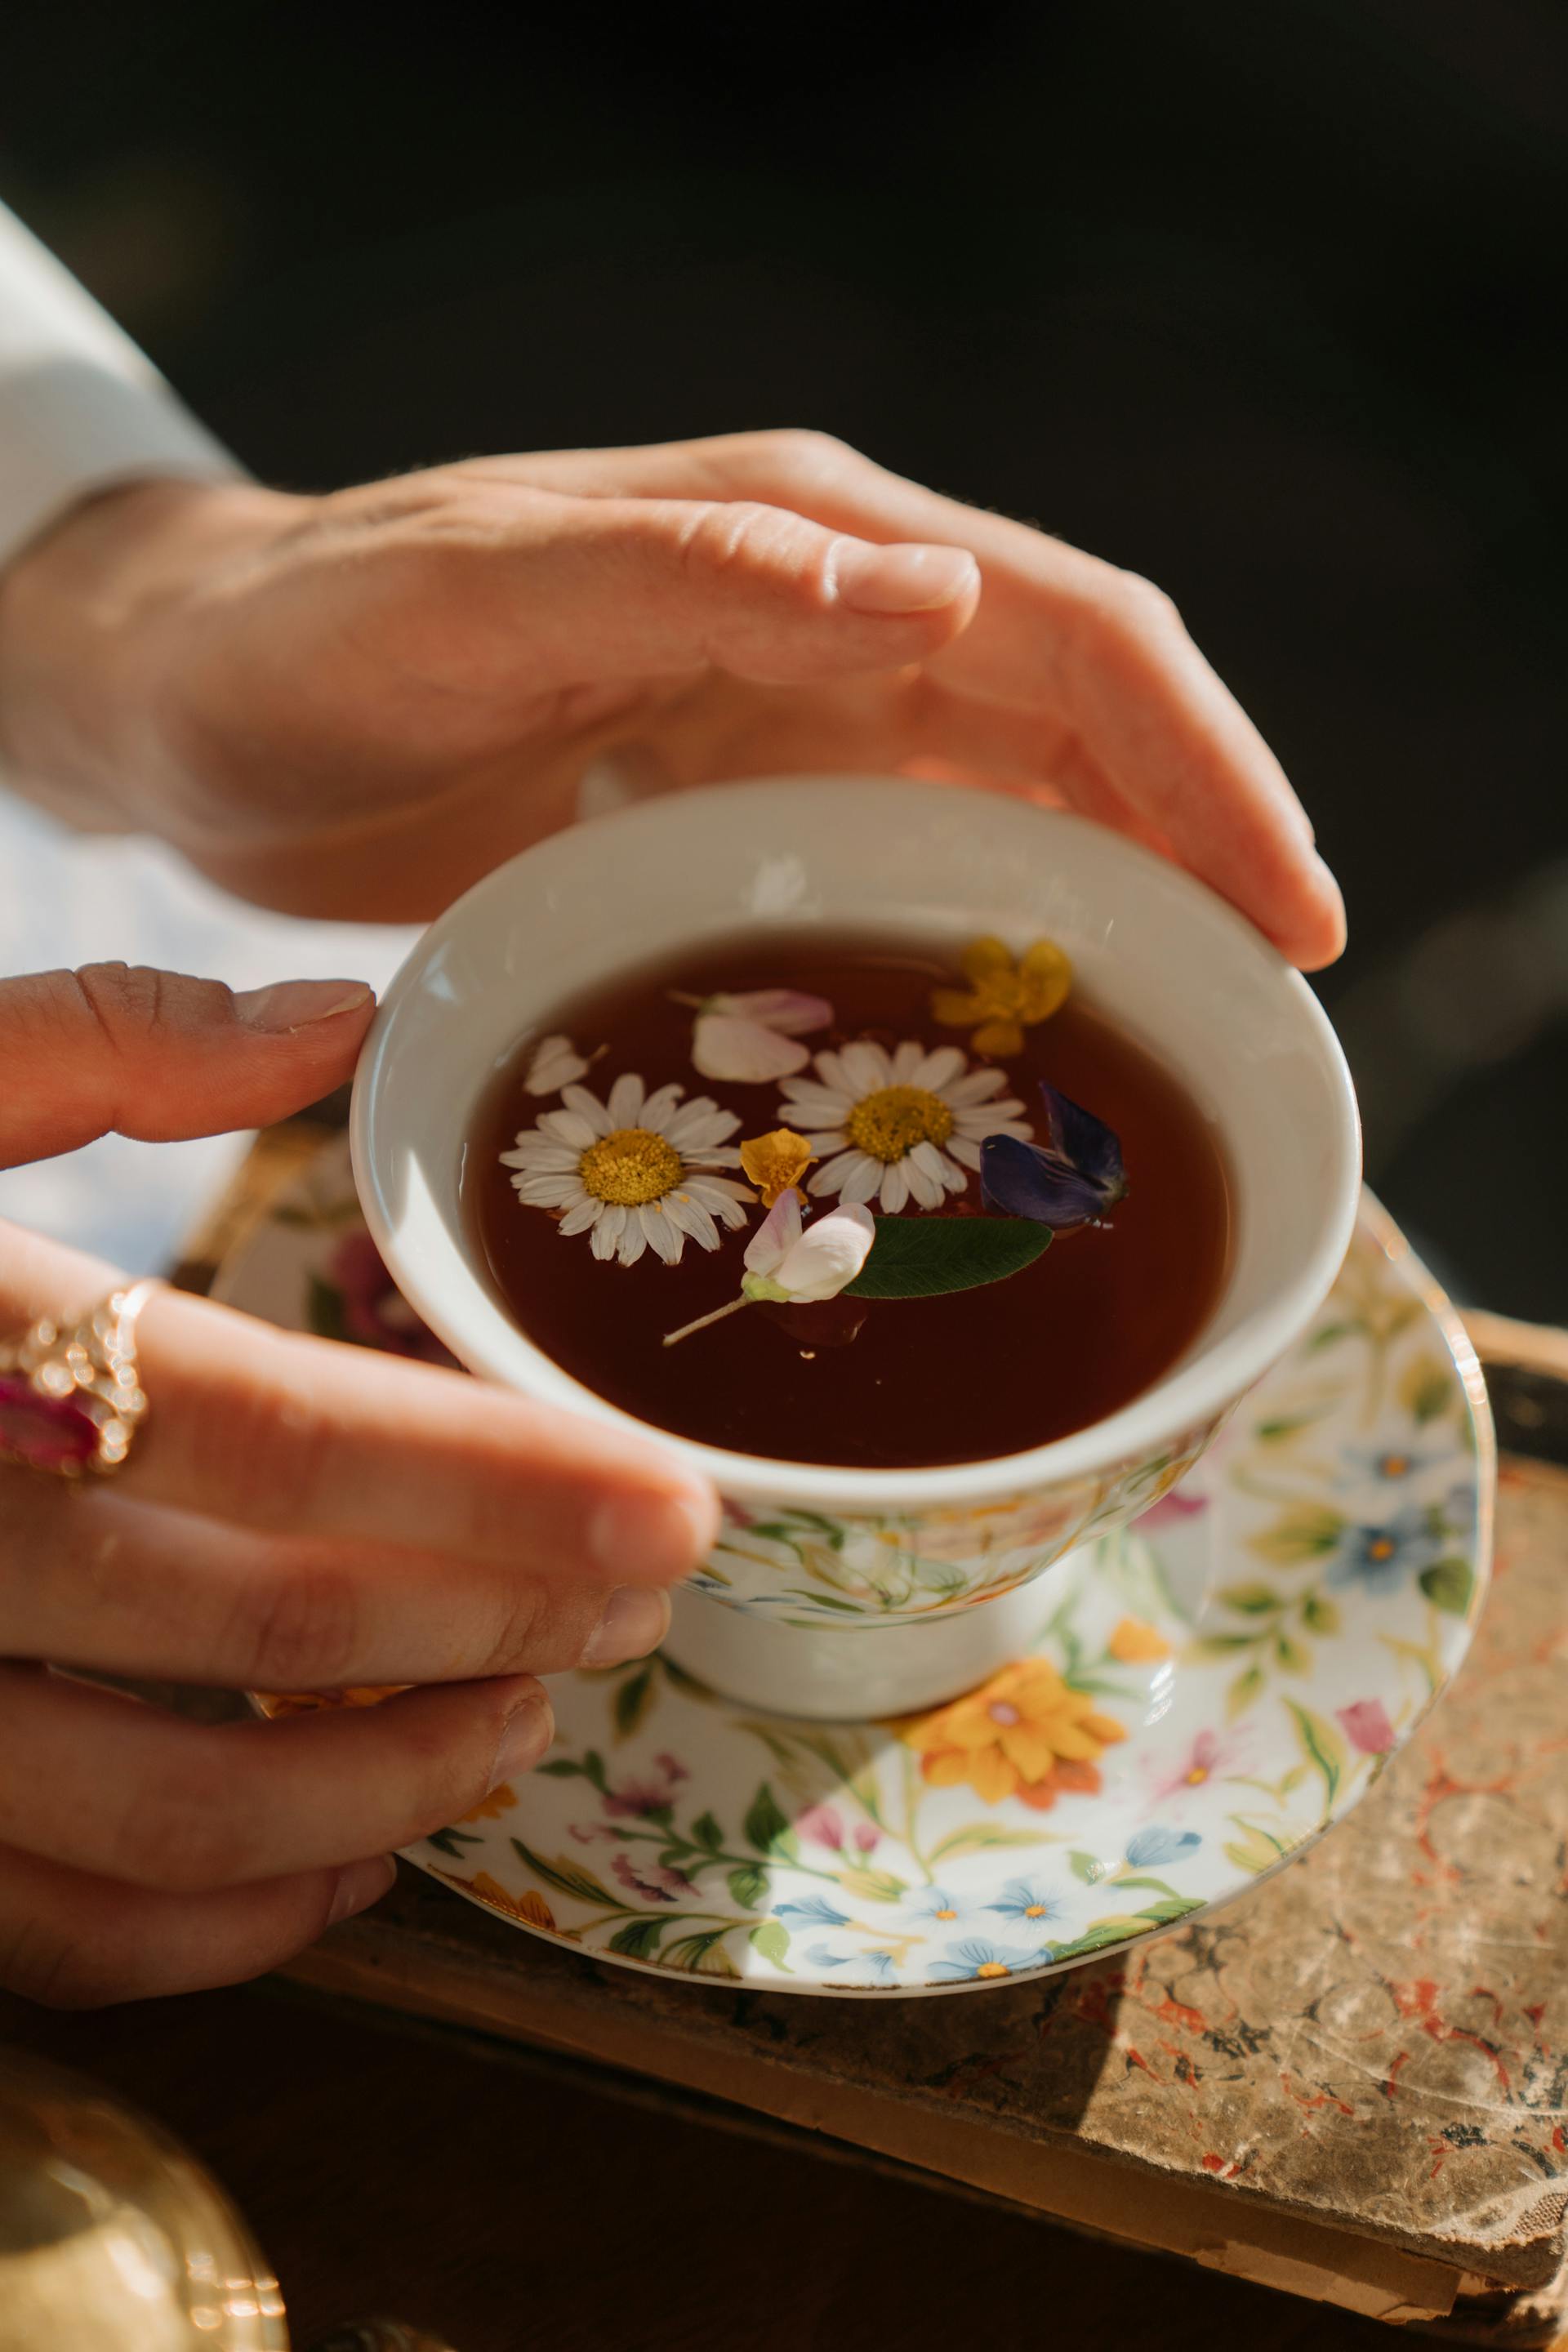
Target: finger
[
  {"x": 290, "y": 1434},
  {"x": 92, "y": 1778},
  {"x": 73, "y": 1941},
  {"x": 1062, "y": 631},
  {"x": 156, "y": 1054},
  {"x": 99, "y": 1581},
  {"x": 544, "y": 594}
]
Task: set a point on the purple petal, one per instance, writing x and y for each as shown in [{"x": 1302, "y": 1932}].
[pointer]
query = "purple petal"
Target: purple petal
[
  {"x": 1023, "y": 1181},
  {"x": 1092, "y": 1147}
]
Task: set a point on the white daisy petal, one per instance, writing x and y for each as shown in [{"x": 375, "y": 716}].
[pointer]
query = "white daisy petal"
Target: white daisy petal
[
  {"x": 554, "y": 1064},
  {"x": 906, "y": 1061},
  {"x": 728, "y": 1202},
  {"x": 834, "y": 1140},
  {"x": 894, "y": 1187},
  {"x": 713, "y": 1155},
  {"x": 664, "y": 1235},
  {"x": 868, "y": 1066},
  {"x": 936, "y": 1069},
  {"x": 831, "y": 1071},
  {"x": 577, "y": 1220},
  {"x": 567, "y": 1127},
  {"x": 832, "y": 1172},
  {"x": 924, "y": 1181},
  {"x": 815, "y": 1106},
  {"x": 588, "y": 1107},
  {"x": 543, "y": 1157},
  {"x": 659, "y": 1109},
  {"x": 693, "y": 1218},
  {"x": 964, "y": 1147},
  {"x": 953, "y": 1175},
  {"x": 624, "y": 1105},
  {"x": 548, "y": 1191},
  {"x": 606, "y": 1232},
  {"x": 977, "y": 1085},
  {"x": 861, "y": 1183},
  {"x": 1015, "y": 1126},
  {"x": 634, "y": 1241},
  {"x": 699, "y": 1122}
]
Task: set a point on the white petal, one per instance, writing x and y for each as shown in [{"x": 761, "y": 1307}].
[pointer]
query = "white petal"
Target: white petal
[
  {"x": 986, "y": 1118},
  {"x": 546, "y": 1158},
  {"x": 556, "y": 1063},
  {"x": 693, "y": 1218},
  {"x": 977, "y": 1085},
  {"x": 659, "y": 1109},
  {"x": 814, "y": 1106},
  {"x": 607, "y": 1232},
  {"x": 862, "y": 1181},
  {"x": 869, "y": 1068},
  {"x": 832, "y": 1172},
  {"x": 728, "y": 1202},
  {"x": 548, "y": 1191},
  {"x": 588, "y": 1107},
  {"x": 937, "y": 1067},
  {"x": 624, "y": 1105},
  {"x": 831, "y": 1073},
  {"x": 723, "y": 1045},
  {"x": 777, "y": 1235},
  {"x": 788, "y": 1010},
  {"x": 964, "y": 1147},
  {"x": 925, "y": 1183},
  {"x": 894, "y": 1187},
  {"x": 907, "y": 1061},
  {"x": 634, "y": 1241},
  {"x": 1020, "y": 1128},
  {"x": 567, "y": 1127},
  {"x": 577, "y": 1220},
  {"x": 953, "y": 1175},
  {"x": 699, "y": 1122},
  {"x": 835, "y": 1139},
  {"x": 664, "y": 1234},
  {"x": 827, "y": 1255}
]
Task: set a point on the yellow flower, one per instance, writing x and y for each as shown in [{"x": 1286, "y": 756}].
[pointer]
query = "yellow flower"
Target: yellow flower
[
  {"x": 1005, "y": 996},
  {"x": 1135, "y": 1644},
  {"x": 776, "y": 1162},
  {"x": 531, "y": 1909},
  {"x": 1025, "y": 1733},
  {"x": 501, "y": 1800}
]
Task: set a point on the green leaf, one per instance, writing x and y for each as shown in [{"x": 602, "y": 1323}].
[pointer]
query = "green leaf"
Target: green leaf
[
  {"x": 1254, "y": 1600},
  {"x": 1292, "y": 1657},
  {"x": 1305, "y": 1532},
  {"x": 632, "y": 1701},
  {"x": 325, "y": 1310},
  {"x": 1118, "y": 1929},
  {"x": 568, "y": 1877},
  {"x": 703, "y": 1955},
  {"x": 1209, "y": 1646},
  {"x": 979, "y": 1837},
  {"x": 1449, "y": 1584},
  {"x": 872, "y": 1885},
  {"x": 451, "y": 1840},
  {"x": 1176, "y": 1906},
  {"x": 559, "y": 1767},
  {"x": 764, "y": 1824},
  {"x": 1242, "y": 1692},
  {"x": 1322, "y": 1748},
  {"x": 678, "y": 1677},
  {"x": 1426, "y": 1386},
  {"x": 1086, "y": 1866},
  {"x": 1327, "y": 1334},
  {"x": 772, "y": 1940},
  {"x": 1319, "y": 1614},
  {"x": 1153, "y": 1886},
  {"x": 1289, "y": 1425},
  {"x": 706, "y": 1832},
  {"x": 923, "y": 1257},
  {"x": 749, "y": 1886},
  {"x": 1256, "y": 1849},
  {"x": 639, "y": 1938}
]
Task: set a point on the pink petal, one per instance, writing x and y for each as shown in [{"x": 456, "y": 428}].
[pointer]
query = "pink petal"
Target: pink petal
[
  {"x": 724, "y": 1045},
  {"x": 788, "y": 1010},
  {"x": 1367, "y": 1725},
  {"x": 777, "y": 1233}
]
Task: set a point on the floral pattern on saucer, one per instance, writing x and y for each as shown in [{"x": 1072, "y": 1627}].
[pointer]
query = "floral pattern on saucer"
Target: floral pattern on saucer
[{"x": 1210, "y": 1689}]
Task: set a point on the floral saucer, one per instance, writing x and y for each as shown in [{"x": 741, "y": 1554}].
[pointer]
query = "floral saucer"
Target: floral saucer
[{"x": 1208, "y": 1691}]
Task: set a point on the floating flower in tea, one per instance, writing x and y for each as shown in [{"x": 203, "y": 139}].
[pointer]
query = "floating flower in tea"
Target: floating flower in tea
[
  {"x": 775, "y": 1163},
  {"x": 750, "y": 1039},
  {"x": 798, "y": 1264},
  {"x": 556, "y": 1063},
  {"x": 1006, "y": 995},
  {"x": 900, "y": 1127},
  {"x": 1075, "y": 1178},
  {"x": 635, "y": 1173}
]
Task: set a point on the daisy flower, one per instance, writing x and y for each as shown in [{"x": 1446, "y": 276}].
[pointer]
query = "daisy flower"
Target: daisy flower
[
  {"x": 635, "y": 1173},
  {"x": 905, "y": 1126}
]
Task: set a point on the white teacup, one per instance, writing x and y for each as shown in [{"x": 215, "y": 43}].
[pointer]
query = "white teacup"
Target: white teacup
[{"x": 839, "y": 1591}]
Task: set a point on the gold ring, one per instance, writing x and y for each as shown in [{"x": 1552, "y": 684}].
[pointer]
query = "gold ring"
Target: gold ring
[{"x": 72, "y": 1400}]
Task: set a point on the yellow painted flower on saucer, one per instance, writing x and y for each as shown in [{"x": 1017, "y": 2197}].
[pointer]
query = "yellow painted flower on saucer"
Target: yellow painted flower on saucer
[
  {"x": 1006, "y": 994},
  {"x": 775, "y": 1163},
  {"x": 1026, "y": 1734}
]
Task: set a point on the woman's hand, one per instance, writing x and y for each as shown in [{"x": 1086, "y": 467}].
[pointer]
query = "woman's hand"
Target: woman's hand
[
  {"x": 355, "y": 705},
  {"x": 294, "y": 1514}
]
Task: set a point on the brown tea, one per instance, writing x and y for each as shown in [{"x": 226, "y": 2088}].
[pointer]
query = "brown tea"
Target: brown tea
[{"x": 880, "y": 1382}]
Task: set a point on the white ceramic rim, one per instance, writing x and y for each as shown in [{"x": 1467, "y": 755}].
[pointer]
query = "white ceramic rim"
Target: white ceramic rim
[{"x": 479, "y": 1332}]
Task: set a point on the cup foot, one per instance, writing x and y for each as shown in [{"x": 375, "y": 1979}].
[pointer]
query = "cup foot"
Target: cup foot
[{"x": 853, "y": 1672}]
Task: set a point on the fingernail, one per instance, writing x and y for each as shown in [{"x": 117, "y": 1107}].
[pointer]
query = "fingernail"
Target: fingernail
[
  {"x": 655, "y": 1537},
  {"x": 902, "y": 579},
  {"x": 360, "y": 1885},
  {"x": 295, "y": 1003},
  {"x": 527, "y": 1735},
  {"x": 634, "y": 1621}
]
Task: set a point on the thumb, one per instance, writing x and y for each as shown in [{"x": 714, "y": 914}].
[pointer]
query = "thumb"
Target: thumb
[
  {"x": 117, "y": 1048},
  {"x": 629, "y": 588}
]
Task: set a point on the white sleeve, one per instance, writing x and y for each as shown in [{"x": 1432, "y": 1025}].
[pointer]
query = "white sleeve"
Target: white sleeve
[{"x": 80, "y": 407}]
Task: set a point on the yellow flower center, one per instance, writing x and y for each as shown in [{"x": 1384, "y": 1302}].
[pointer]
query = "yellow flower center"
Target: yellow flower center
[
  {"x": 992, "y": 1969},
  {"x": 631, "y": 1167},
  {"x": 1394, "y": 1466},
  {"x": 1197, "y": 1776},
  {"x": 945, "y": 1915},
  {"x": 888, "y": 1124},
  {"x": 1382, "y": 1549},
  {"x": 1036, "y": 1911}
]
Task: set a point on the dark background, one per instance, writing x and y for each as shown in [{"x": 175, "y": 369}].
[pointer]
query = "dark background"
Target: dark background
[{"x": 1263, "y": 301}]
